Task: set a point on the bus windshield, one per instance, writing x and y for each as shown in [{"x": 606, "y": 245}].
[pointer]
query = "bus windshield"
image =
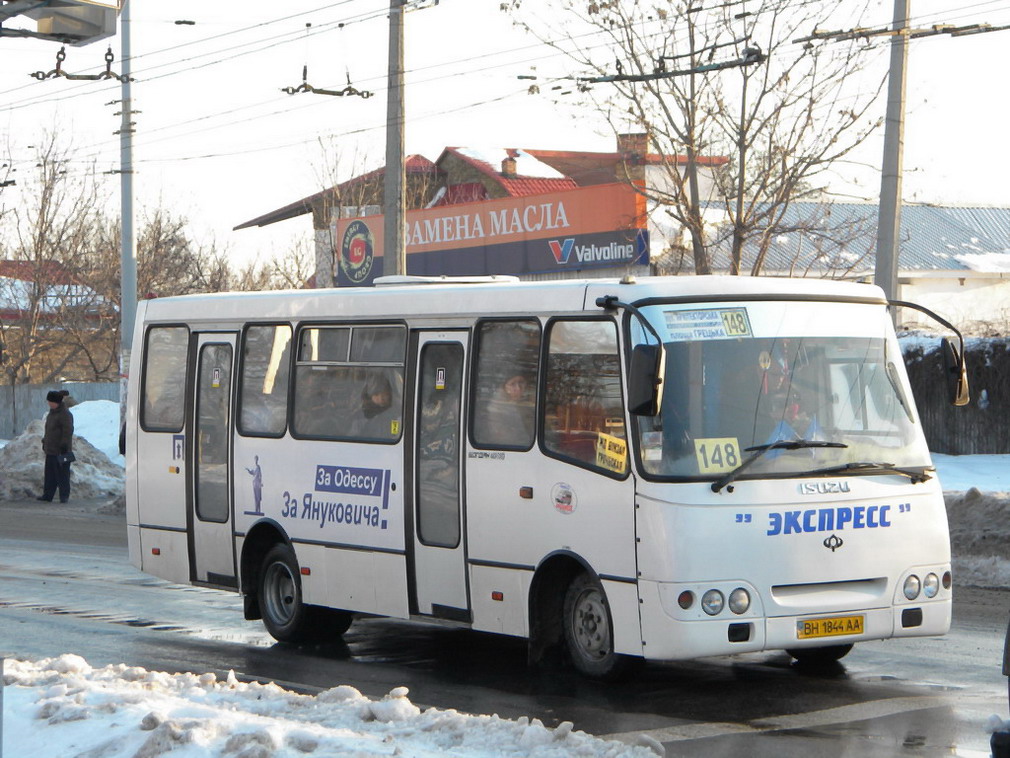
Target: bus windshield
[{"x": 746, "y": 376}]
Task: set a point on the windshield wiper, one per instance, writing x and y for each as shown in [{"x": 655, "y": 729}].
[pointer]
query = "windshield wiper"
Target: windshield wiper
[
  {"x": 917, "y": 475},
  {"x": 758, "y": 450}
]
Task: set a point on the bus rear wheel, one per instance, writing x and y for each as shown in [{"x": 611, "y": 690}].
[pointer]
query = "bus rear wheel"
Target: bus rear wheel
[
  {"x": 285, "y": 616},
  {"x": 589, "y": 631},
  {"x": 819, "y": 656}
]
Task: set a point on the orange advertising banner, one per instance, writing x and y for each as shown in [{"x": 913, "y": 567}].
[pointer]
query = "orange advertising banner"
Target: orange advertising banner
[{"x": 502, "y": 228}]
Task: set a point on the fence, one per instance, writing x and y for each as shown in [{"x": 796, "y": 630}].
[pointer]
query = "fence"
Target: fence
[
  {"x": 982, "y": 425},
  {"x": 21, "y": 403}
]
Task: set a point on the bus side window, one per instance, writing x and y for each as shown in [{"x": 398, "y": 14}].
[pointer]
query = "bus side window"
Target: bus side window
[
  {"x": 165, "y": 363},
  {"x": 349, "y": 383},
  {"x": 584, "y": 410},
  {"x": 264, "y": 381},
  {"x": 505, "y": 388},
  {"x": 324, "y": 400}
]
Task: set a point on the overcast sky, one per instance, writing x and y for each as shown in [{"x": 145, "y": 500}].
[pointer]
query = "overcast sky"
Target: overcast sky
[{"x": 218, "y": 141}]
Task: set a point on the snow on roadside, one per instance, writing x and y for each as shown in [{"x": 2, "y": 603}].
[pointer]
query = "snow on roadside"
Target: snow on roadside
[
  {"x": 959, "y": 473},
  {"x": 125, "y": 711}
]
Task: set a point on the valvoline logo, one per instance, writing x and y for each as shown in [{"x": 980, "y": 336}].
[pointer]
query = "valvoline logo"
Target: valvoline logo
[{"x": 562, "y": 250}]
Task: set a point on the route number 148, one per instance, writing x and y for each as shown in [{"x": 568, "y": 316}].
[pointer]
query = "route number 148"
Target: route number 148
[{"x": 717, "y": 454}]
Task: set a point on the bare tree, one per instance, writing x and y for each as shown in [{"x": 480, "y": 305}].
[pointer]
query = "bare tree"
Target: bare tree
[
  {"x": 60, "y": 282},
  {"x": 50, "y": 315},
  {"x": 293, "y": 270},
  {"x": 169, "y": 261},
  {"x": 6, "y": 179},
  {"x": 745, "y": 119}
]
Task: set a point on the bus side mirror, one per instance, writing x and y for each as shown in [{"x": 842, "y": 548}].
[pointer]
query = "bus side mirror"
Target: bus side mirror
[
  {"x": 955, "y": 373},
  {"x": 645, "y": 382}
]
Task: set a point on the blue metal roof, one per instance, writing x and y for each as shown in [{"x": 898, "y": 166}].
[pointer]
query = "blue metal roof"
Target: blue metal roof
[{"x": 838, "y": 239}]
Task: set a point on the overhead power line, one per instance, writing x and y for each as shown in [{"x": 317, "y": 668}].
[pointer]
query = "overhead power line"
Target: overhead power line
[
  {"x": 865, "y": 33},
  {"x": 900, "y": 32}
]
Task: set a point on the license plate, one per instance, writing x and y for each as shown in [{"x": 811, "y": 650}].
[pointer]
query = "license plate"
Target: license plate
[{"x": 832, "y": 626}]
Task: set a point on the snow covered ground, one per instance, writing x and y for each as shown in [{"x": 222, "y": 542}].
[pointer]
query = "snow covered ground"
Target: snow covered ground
[{"x": 63, "y": 707}]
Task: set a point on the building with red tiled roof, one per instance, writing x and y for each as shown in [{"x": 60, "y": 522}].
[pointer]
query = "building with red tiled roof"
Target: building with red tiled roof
[{"x": 499, "y": 172}]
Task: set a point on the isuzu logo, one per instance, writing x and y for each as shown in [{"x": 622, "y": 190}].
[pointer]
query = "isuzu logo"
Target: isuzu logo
[{"x": 823, "y": 488}]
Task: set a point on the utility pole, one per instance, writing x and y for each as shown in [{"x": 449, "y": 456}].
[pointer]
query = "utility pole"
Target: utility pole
[
  {"x": 394, "y": 258},
  {"x": 128, "y": 246},
  {"x": 889, "y": 214},
  {"x": 889, "y": 220}
]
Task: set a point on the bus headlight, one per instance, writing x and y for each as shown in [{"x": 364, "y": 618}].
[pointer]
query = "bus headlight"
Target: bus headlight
[
  {"x": 930, "y": 585},
  {"x": 912, "y": 587},
  {"x": 739, "y": 600},
  {"x": 712, "y": 601}
]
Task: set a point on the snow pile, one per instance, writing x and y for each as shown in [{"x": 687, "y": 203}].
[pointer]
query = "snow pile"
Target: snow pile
[
  {"x": 980, "y": 550},
  {"x": 98, "y": 422},
  {"x": 127, "y": 712},
  {"x": 92, "y": 475}
]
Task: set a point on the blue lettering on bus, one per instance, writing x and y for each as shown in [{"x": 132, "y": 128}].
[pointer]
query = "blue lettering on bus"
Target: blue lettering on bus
[
  {"x": 829, "y": 519},
  {"x": 351, "y": 514},
  {"x": 353, "y": 481},
  {"x": 363, "y": 482}
]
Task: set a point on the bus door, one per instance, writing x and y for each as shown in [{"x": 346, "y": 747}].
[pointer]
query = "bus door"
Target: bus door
[
  {"x": 438, "y": 546},
  {"x": 209, "y": 510}
]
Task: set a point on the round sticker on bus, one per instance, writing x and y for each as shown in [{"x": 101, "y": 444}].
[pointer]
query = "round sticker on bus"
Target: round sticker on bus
[{"x": 563, "y": 497}]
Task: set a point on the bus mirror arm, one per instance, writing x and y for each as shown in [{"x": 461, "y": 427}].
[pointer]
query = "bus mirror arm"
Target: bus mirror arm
[
  {"x": 648, "y": 365},
  {"x": 955, "y": 369}
]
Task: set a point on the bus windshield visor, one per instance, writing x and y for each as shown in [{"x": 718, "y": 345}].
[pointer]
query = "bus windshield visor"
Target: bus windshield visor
[{"x": 749, "y": 375}]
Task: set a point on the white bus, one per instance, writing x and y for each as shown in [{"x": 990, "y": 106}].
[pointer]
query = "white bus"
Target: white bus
[{"x": 657, "y": 469}]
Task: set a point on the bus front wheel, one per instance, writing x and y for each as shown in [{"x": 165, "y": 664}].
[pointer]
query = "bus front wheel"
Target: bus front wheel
[
  {"x": 285, "y": 616},
  {"x": 589, "y": 631},
  {"x": 819, "y": 656}
]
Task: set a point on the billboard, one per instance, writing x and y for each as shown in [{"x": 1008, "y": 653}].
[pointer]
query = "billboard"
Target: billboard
[{"x": 588, "y": 227}]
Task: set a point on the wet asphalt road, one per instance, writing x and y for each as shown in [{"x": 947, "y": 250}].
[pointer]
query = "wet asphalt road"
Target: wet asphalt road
[{"x": 66, "y": 586}]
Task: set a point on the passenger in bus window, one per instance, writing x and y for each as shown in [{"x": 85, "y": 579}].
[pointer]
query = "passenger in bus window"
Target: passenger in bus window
[
  {"x": 380, "y": 414},
  {"x": 509, "y": 419}
]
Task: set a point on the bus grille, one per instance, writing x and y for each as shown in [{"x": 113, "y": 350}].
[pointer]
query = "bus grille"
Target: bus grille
[{"x": 852, "y": 593}]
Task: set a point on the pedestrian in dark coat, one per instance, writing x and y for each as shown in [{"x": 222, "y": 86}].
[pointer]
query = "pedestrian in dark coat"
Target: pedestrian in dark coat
[{"x": 57, "y": 443}]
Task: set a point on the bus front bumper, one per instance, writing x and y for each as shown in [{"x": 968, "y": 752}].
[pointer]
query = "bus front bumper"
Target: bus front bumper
[{"x": 670, "y": 639}]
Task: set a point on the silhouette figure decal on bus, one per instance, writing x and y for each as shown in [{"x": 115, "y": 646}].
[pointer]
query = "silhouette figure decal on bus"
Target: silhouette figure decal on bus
[{"x": 257, "y": 485}]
